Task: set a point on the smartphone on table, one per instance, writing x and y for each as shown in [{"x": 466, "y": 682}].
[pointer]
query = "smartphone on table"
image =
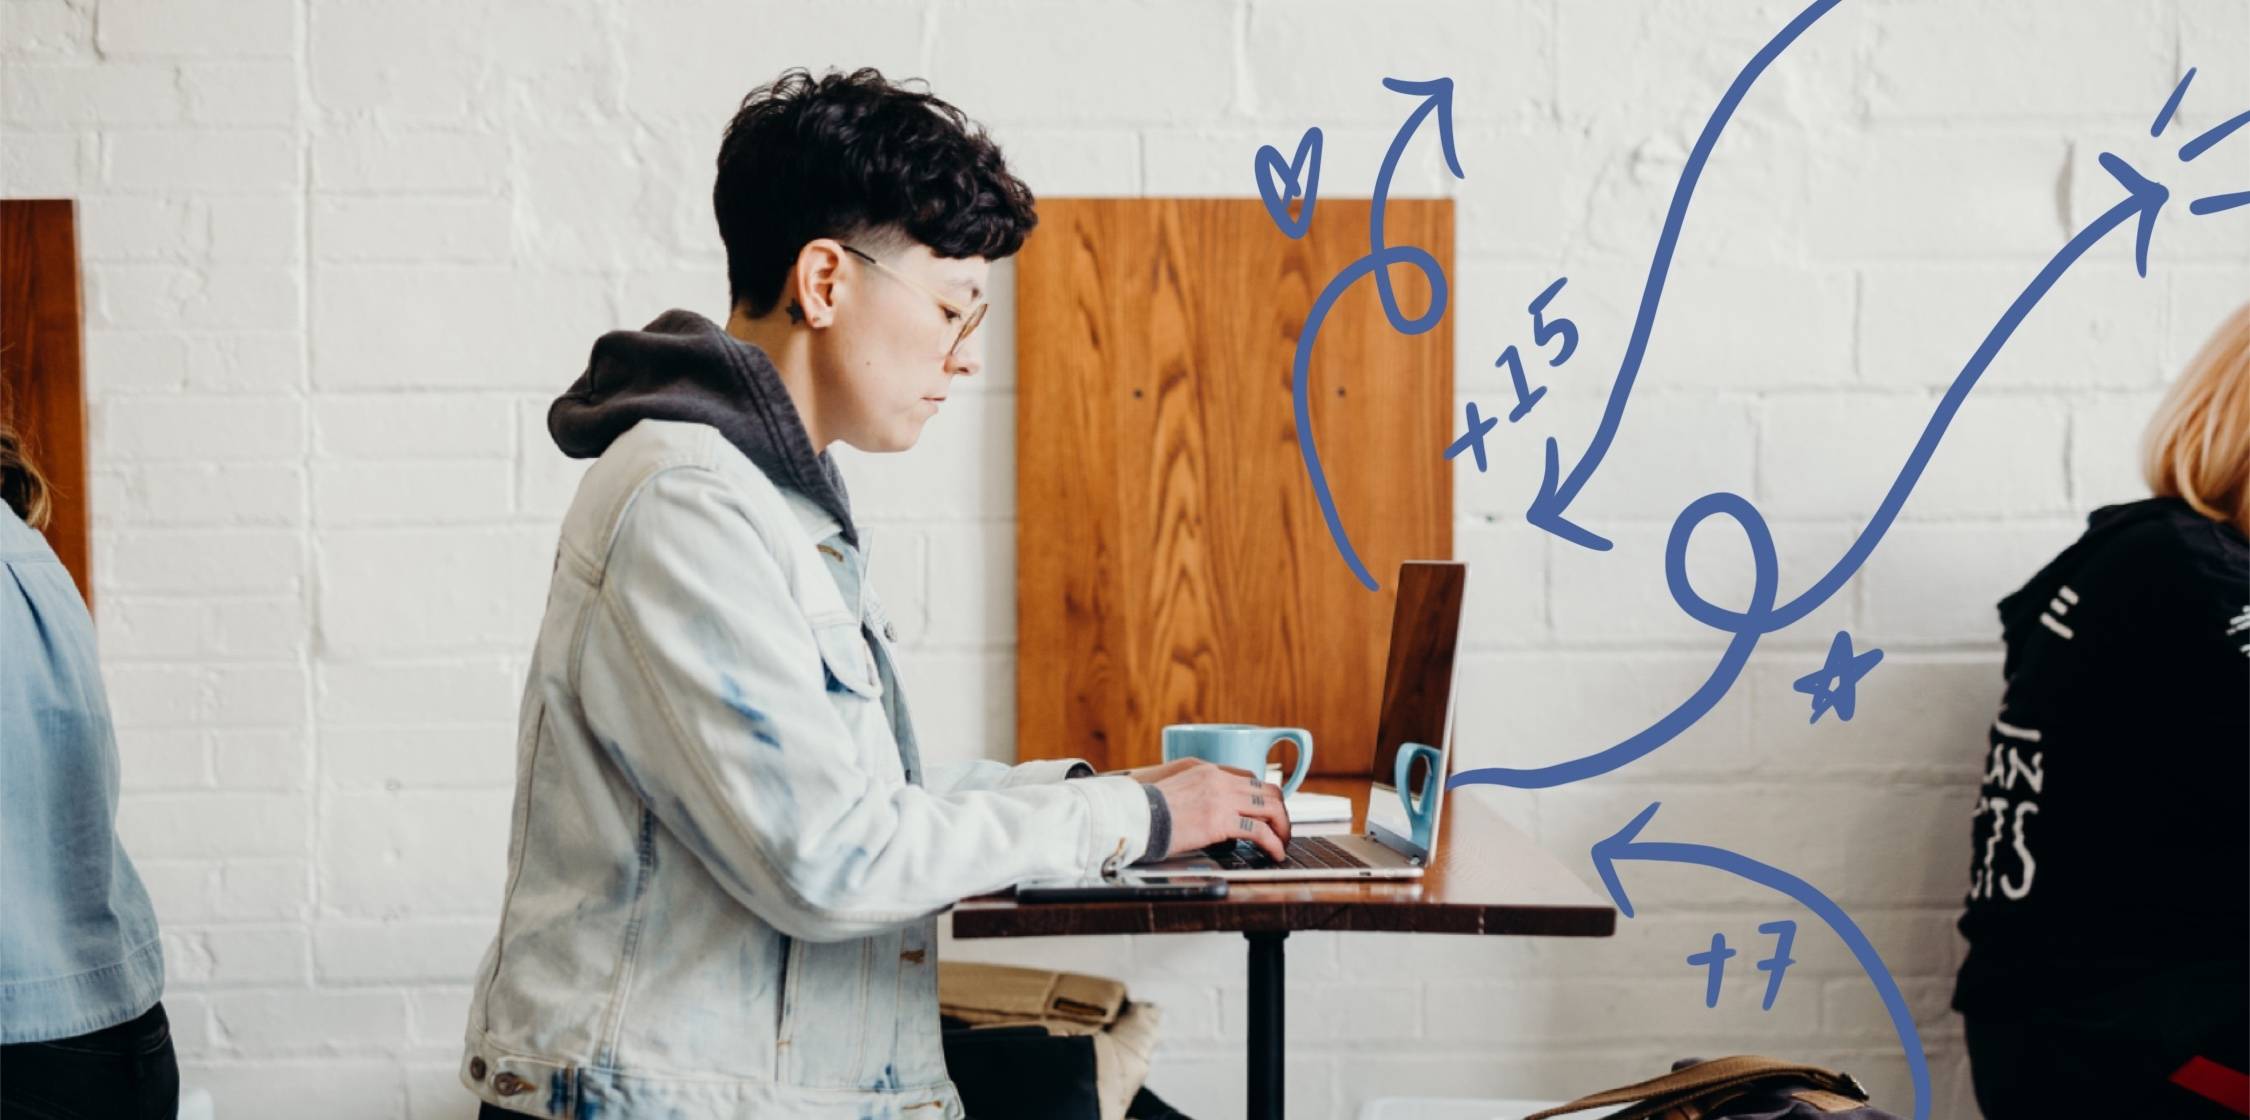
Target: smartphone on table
[{"x": 1125, "y": 888}]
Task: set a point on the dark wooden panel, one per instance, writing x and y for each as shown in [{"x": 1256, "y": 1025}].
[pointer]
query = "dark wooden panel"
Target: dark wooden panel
[
  {"x": 1489, "y": 879},
  {"x": 42, "y": 383},
  {"x": 1172, "y": 562}
]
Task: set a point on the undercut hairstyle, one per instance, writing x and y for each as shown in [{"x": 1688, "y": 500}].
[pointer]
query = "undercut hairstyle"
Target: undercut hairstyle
[{"x": 864, "y": 160}]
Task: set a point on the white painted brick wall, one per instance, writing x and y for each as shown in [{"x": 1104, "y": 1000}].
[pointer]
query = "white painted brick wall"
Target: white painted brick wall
[{"x": 340, "y": 254}]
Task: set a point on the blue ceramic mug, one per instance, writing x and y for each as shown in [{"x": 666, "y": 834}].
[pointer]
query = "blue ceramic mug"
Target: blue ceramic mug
[
  {"x": 1243, "y": 746},
  {"x": 1421, "y": 804}
]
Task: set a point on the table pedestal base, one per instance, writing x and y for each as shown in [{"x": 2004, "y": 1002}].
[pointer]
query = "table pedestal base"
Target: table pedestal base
[{"x": 1266, "y": 1059}]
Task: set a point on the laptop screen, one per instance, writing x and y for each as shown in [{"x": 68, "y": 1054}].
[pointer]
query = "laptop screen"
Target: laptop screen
[{"x": 1417, "y": 704}]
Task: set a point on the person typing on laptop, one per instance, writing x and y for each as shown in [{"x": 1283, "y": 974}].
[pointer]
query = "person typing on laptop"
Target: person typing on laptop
[
  {"x": 1414, "y": 730},
  {"x": 726, "y": 856}
]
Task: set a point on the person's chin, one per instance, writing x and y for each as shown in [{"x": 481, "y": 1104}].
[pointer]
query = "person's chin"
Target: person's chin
[{"x": 906, "y": 434}]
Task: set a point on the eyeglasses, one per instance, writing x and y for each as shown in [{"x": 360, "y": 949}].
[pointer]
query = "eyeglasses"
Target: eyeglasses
[{"x": 969, "y": 316}]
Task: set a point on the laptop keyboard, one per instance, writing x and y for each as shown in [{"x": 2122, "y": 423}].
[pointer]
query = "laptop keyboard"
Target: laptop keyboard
[{"x": 1308, "y": 851}]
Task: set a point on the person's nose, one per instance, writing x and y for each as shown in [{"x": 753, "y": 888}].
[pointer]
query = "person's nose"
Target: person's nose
[{"x": 968, "y": 358}]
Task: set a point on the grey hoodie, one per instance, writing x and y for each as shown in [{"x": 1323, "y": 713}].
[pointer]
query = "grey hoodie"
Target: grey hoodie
[{"x": 683, "y": 366}]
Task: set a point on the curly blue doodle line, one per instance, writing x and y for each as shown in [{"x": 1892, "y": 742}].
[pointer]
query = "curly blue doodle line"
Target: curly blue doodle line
[
  {"x": 1437, "y": 97},
  {"x": 1552, "y": 502},
  {"x": 2144, "y": 200},
  {"x": 1763, "y": 616}
]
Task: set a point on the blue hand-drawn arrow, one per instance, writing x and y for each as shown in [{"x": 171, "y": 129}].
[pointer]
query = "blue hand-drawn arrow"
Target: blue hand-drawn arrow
[
  {"x": 1623, "y": 846},
  {"x": 1437, "y": 96},
  {"x": 1553, "y": 500},
  {"x": 2142, "y": 200}
]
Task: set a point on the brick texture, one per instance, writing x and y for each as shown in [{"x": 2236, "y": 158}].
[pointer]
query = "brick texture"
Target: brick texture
[{"x": 339, "y": 255}]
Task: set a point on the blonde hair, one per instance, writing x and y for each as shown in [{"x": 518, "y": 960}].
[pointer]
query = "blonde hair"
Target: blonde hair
[
  {"x": 21, "y": 484},
  {"x": 2198, "y": 444}
]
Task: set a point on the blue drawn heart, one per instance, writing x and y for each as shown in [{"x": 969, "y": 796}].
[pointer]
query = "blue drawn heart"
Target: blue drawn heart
[{"x": 1296, "y": 178}]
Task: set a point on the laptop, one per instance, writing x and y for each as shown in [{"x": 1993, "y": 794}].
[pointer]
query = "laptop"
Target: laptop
[{"x": 1417, "y": 708}]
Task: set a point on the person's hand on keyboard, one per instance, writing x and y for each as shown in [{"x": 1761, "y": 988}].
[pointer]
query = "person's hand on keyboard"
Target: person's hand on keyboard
[
  {"x": 1240, "y": 854},
  {"x": 1212, "y": 804}
]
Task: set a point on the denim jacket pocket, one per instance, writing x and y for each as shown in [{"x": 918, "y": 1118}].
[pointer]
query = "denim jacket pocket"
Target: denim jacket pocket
[{"x": 840, "y": 1016}]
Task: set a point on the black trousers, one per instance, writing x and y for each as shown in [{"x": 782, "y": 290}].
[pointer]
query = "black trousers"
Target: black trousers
[
  {"x": 125, "y": 1072},
  {"x": 2110, "y": 1049}
]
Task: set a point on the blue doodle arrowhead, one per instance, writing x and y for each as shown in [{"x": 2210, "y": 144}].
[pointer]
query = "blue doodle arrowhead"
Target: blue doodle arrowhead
[
  {"x": 1616, "y": 847},
  {"x": 1625, "y": 844},
  {"x": 2142, "y": 195},
  {"x": 1549, "y": 505},
  {"x": 1437, "y": 97},
  {"x": 1836, "y": 683},
  {"x": 1299, "y": 177}
]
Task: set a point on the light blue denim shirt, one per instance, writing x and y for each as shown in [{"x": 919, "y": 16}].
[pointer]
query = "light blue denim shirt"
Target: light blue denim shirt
[{"x": 78, "y": 948}]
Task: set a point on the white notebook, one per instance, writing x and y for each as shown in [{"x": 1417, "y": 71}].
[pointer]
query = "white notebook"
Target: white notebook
[{"x": 1314, "y": 809}]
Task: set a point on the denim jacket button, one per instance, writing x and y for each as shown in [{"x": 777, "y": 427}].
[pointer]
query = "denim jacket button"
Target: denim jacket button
[
  {"x": 508, "y": 1084},
  {"x": 476, "y": 1069},
  {"x": 890, "y": 632}
]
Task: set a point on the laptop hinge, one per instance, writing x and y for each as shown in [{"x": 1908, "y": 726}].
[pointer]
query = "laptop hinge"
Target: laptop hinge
[{"x": 1400, "y": 844}]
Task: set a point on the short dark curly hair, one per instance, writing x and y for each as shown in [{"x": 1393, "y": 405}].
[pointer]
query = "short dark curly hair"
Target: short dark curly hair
[{"x": 857, "y": 156}]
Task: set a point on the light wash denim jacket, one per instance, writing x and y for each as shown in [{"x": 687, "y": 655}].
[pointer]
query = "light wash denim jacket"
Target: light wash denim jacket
[
  {"x": 722, "y": 882},
  {"x": 78, "y": 947}
]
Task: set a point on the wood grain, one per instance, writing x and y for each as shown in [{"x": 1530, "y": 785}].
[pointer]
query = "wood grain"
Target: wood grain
[
  {"x": 1172, "y": 562},
  {"x": 42, "y": 379},
  {"x": 1489, "y": 879}
]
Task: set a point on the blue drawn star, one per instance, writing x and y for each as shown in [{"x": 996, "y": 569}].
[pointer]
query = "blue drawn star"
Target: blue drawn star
[{"x": 1833, "y": 685}]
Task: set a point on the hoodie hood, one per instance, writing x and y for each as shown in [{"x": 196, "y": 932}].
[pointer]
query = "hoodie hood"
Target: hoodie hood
[
  {"x": 685, "y": 367},
  {"x": 2106, "y": 528}
]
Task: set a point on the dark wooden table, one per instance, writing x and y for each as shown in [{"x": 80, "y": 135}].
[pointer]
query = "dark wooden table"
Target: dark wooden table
[{"x": 1488, "y": 879}]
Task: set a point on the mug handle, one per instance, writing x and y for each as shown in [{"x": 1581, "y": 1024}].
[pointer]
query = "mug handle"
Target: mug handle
[
  {"x": 1421, "y": 804},
  {"x": 1303, "y": 739}
]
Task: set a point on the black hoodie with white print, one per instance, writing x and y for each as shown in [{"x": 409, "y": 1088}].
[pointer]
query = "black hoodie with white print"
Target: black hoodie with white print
[{"x": 2111, "y": 839}]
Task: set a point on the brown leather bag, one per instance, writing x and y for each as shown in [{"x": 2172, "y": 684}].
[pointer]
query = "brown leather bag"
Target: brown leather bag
[
  {"x": 1746, "y": 1086},
  {"x": 1122, "y": 1031}
]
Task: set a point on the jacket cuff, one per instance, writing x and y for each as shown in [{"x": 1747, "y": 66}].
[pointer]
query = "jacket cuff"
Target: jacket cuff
[
  {"x": 1118, "y": 821},
  {"x": 1040, "y": 771},
  {"x": 1159, "y": 815}
]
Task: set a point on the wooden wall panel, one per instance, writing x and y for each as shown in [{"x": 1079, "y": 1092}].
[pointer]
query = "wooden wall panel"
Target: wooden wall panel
[
  {"x": 42, "y": 382},
  {"x": 1172, "y": 562}
]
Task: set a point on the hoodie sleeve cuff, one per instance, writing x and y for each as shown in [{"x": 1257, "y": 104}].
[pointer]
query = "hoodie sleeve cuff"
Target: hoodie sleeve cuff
[{"x": 1159, "y": 826}]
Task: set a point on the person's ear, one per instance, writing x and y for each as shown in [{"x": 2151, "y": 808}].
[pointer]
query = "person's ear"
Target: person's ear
[{"x": 812, "y": 294}]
